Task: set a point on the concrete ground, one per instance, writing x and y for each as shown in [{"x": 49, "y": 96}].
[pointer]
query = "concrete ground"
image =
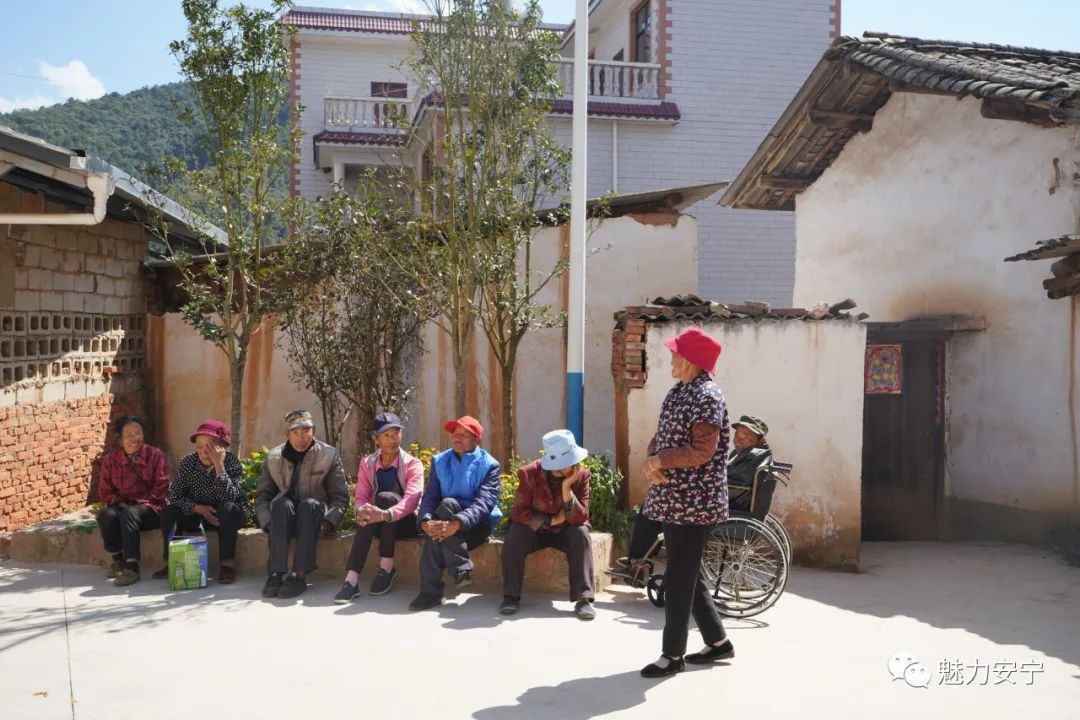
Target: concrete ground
[{"x": 72, "y": 645}]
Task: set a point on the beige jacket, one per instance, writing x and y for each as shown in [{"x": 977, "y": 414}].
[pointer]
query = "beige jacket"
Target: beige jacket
[{"x": 321, "y": 477}]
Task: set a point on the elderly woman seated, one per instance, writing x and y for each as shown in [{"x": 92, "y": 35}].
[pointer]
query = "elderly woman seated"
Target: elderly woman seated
[
  {"x": 134, "y": 480},
  {"x": 207, "y": 492}
]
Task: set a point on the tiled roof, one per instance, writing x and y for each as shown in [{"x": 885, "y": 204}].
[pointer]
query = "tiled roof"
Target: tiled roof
[
  {"x": 646, "y": 111},
  {"x": 344, "y": 20},
  {"x": 857, "y": 76},
  {"x": 1046, "y": 249},
  {"x": 360, "y": 138},
  {"x": 691, "y": 307},
  {"x": 363, "y": 21},
  {"x": 1028, "y": 75}
]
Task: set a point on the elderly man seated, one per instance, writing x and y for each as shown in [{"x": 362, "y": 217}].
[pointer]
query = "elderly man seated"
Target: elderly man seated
[
  {"x": 551, "y": 509},
  {"x": 458, "y": 509},
  {"x": 750, "y": 450},
  {"x": 302, "y": 494}
]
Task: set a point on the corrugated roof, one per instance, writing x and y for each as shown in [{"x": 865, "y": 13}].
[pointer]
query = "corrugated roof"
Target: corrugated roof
[{"x": 856, "y": 77}]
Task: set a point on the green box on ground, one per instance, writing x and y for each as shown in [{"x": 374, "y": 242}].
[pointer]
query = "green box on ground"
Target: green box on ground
[{"x": 187, "y": 563}]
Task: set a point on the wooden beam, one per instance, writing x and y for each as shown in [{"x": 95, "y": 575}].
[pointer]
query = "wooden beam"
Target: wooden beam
[
  {"x": 997, "y": 109},
  {"x": 777, "y": 182},
  {"x": 1066, "y": 266},
  {"x": 861, "y": 122},
  {"x": 1060, "y": 287}
]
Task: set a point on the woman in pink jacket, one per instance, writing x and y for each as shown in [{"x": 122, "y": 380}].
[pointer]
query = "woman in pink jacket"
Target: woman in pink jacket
[{"x": 388, "y": 488}]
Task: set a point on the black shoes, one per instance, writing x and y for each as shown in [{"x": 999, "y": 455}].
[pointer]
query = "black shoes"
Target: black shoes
[
  {"x": 383, "y": 582},
  {"x": 464, "y": 579},
  {"x": 653, "y": 670},
  {"x": 347, "y": 593},
  {"x": 724, "y": 651},
  {"x": 510, "y": 605},
  {"x": 272, "y": 586},
  {"x": 426, "y": 601},
  {"x": 293, "y": 586}
]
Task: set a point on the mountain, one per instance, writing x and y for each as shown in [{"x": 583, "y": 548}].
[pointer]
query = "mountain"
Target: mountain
[{"x": 128, "y": 130}]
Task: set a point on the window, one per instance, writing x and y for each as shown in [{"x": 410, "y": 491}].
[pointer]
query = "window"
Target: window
[
  {"x": 641, "y": 31},
  {"x": 387, "y": 114},
  {"x": 389, "y": 90},
  {"x": 618, "y": 56}
]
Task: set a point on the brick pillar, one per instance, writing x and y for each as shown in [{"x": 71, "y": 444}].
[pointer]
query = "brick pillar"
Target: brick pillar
[{"x": 628, "y": 371}]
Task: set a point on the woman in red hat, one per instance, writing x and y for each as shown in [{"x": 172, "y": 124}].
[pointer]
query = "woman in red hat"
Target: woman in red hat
[
  {"x": 207, "y": 490},
  {"x": 686, "y": 468}
]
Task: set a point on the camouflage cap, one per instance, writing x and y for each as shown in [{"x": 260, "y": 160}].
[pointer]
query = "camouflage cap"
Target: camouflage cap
[
  {"x": 753, "y": 424},
  {"x": 299, "y": 419}
]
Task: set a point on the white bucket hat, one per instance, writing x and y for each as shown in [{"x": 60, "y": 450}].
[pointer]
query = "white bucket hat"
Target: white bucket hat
[{"x": 561, "y": 451}]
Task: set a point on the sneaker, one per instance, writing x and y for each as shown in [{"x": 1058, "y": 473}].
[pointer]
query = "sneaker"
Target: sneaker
[
  {"x": 347, "y": 593},
  {"x": 115, "y": 568},
  {"x": 584, "y": 610},
  {"x": 161, "y": 573},
  {"x": 226, "y": 575},
  {"x": 383, "y": 582},
  {"x": 272, "y": 586},
  {"x": 426, "y": 601},
  {"x": 127, "y": 576},
  {"x": 293, "y": 586},
  {"x": 510, "y": 605},
  {"x": 464, "y": 579}
]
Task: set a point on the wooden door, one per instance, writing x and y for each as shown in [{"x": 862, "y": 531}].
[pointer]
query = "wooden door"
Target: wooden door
[{"x": 904, "y": 448}]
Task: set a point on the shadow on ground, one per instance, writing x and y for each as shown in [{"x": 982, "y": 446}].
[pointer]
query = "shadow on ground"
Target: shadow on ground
[{"x": 1009, "y": 594}]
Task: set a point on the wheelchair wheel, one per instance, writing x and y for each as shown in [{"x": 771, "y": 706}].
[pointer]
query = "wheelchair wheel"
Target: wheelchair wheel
[
  {"x": 781, "y": 533},
  {"x": 745, "y": 567},
  {"x": 654, "y": 588}
]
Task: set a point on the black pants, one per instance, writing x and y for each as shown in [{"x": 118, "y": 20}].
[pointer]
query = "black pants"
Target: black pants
[
  {"x": 452, "y": 554},
  {"x": 573, "y": 541},
  {"x": 684, "y": 590},
  {"x": 645, "y": 533},
  {"x": 388, "y": 532},
  {"x": 230, "y": 518},
  {"x": 288, "y": 520},
  {"x": 120, "y": 527}
]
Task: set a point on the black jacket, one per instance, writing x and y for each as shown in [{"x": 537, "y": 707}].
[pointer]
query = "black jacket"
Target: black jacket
[{"x": 740, "y": 472}]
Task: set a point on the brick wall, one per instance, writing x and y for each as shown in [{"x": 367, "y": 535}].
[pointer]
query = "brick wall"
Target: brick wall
[
  {"x": 72, "y": 353},
  {"x": 49, "y": 454}
]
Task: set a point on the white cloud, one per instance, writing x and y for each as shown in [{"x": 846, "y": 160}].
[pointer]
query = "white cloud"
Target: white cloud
[
  {"x": 73, "y": 80},
  {"x": 32, "y": 102}
]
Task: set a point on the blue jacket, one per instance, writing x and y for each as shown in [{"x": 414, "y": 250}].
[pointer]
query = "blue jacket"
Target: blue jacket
[{"x": 486, "y": 500}]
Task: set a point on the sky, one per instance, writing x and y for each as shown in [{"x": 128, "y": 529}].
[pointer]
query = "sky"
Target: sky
[{"x": 59, "y": 49}]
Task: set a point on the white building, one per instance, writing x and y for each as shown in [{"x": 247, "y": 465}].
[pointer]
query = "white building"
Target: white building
[
  {"x": 681, "y": 93},
  {"x": 914, "y": 168}
]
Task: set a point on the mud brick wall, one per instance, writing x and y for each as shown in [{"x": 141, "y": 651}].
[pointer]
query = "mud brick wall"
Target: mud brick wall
[
  {"x": 49, "y": 455},
  {"x": 72, "y": 353}
]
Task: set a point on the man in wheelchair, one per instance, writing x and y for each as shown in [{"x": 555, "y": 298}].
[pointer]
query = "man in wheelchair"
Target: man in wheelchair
[{"x": 750, "y": 450}]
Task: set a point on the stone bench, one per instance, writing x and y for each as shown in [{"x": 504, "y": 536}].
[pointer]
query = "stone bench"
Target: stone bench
[{"x": 74, "y": 539}]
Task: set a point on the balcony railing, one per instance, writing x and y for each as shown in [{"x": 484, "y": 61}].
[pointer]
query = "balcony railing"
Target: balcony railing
[
  {"x": 359, "y": 114},
  {"x": 610, "y": 80}
]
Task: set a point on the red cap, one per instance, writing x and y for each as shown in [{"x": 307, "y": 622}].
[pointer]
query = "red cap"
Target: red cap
[
  {"x": 469, "y": 423},
  {"x": 215, "y": 429},
  {"x": 697, "y": 347}
]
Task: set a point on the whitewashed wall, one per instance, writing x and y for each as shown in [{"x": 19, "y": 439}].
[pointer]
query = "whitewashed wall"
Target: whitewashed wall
[
  {"x": 914, "y": 218},
  {"x": 638, "y": 258},
  {"x": 805, "y": 380}
]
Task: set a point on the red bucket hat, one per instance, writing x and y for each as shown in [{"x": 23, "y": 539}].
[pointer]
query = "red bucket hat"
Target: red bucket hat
[
  {"x": 215, "y": 429},
  {"x": 697, "y": 347},
  {"x": 469, "y": 423}
]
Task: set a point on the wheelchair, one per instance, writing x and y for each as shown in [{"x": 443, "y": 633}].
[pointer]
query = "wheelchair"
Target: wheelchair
[{"x": 746, "y": 558}]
